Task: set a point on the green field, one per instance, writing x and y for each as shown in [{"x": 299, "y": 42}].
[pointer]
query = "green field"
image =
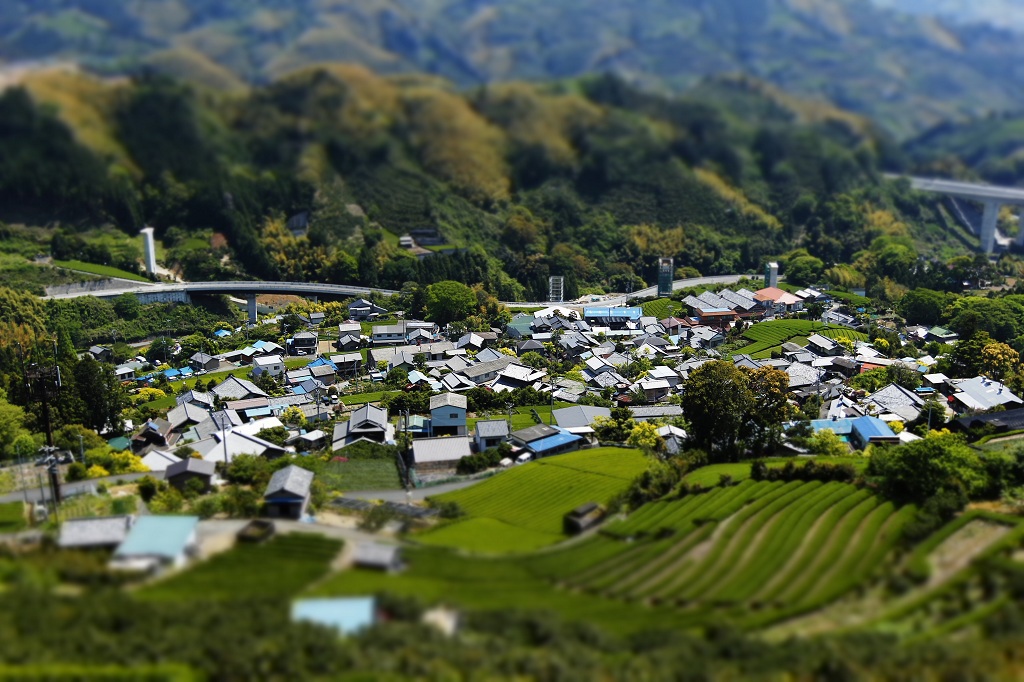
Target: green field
[
  {"x": 522, "y": 417},
  {"x": 101, "y": 270},
  {"x": 360, "y": 475},
  {"x": 534, "y": 498},
  {"x": 281, "y": 567}
]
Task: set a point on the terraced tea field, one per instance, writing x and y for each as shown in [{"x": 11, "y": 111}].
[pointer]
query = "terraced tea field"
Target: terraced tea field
[
  {"x": 524, "y": 506},
  {"x": 769, "y": 336},
  {"x": 753, "y": 555},
  {"x": 754, "y": 552}
]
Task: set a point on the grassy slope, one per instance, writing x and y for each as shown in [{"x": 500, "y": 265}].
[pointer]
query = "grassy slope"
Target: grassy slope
[{"x": 534, "y": 498}]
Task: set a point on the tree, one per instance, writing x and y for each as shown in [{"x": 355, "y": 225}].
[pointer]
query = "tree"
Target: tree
[
  {"x": 615, "y": 428},
  {"x": 716, "y": 401},
  {"x": 103, "y": 397},
  {"x": 12, "y": 421},
  {"x": 449, "y": 301},
  {"x": 965, "y": 360},
  {"x": 918, "y": 470},
  {"x": 923, "y": 306},
  {"x": 999, "y": 360},
  {"x": 127, "y": 306},
  {"x": 769, "y": 389},
  {"x": 826, "y": 443},
  {"x": 645, "y": 436},
  {"x": 293, "y": 416}
]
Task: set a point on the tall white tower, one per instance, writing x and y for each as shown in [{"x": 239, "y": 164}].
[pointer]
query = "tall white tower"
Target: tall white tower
[
  {"x": 149, "y": 249},
  {"x": 771, "y": 275}
]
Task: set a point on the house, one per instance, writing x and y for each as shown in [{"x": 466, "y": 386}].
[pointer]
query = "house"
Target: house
[
  {"x": 155, "y": 433},
  {"x": 517, "y": 376},
  {"x": 895, "y": 399},
  {"x": 981, "y": 394},
  {"x": 378, "y": 556},
  {"x": 363, "y": 310},
  {"x": 157, "y": 541},
  {"x": 823, "y": 346},
  {"x": 859, "y": 432},
  {"x": 185, "y": 416},
  {"x": 288, "y": 493},
  {"x": 197, "y": 398},
  {"x": 224, "y": 446},
  {"x": 188, "y": 469},
  {"x": 614, "y": 318},
  {"x": 368, "y": 423},
  {"x": 439, "y": 454},
  {"x": 543, "y": 440},
  {"x": 582, "y": 518},
  {"x": 348, "y": 342},
  {"x": 388, "y": 334},
  {"x": 101, "y": 353},
  {"x": 158, "y": 460},
  {"x": 1000, "y": 422},
  {"x": 448, "y": 414},
  {"x": 942, "y": 335},
  {"x": 234, "y": 388},
  {"x": 345, "y": 615},
  {"x": 471, "y": 341},
  {"x": 303, "y": 343},
  {"x": 348, "y": 364},
  {"x": 674, "y": 437},
  {"x": 323, "y": 373},
  {"x": 124, "y": 373},
  {"x": 204, "y": 362},
  {"x": 520, "y": 327},
  {"x": 490, "y": 434},
  {"x": 777, "y": 301},
  {"x": 482, "y": 372},
  {"x": 268, "y": 364},
  {"x": 100, "y": 533},
  {"x": 647, "y": 412},
  {"x": 579, "y": 419},
  {"x": 311, "y": 441},
  {"x": 529, "y": 346}
]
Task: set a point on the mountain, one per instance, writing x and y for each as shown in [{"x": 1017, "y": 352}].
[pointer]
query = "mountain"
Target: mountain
[
  {"x": 315, "y": 176},
  {"x": 1008, "y": 14},
  {"x": 907, "y": 72}
]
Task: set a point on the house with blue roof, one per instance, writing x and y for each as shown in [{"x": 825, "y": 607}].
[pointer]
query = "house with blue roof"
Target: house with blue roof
[
  {"x": 858, "y": 432},
  {"x": 346, "y": 615},
  {"x": 544, "y": 441},
  {"x": 157, "y": 542}
]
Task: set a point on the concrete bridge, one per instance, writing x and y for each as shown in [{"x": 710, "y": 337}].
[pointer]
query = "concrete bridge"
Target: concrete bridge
[
  {"x": 181, "y": 292},
  {"x": 990, "y": 196}
]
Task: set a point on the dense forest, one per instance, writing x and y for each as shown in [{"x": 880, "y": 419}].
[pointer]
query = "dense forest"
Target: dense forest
[{"x": 315, "y": 176}]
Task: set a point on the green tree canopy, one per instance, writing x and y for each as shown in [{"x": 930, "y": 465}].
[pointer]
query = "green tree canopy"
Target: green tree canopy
[{"x": 449, "y": 301}]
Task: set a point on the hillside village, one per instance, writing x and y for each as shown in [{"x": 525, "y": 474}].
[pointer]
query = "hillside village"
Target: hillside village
[{"x": 345, "y": 428}]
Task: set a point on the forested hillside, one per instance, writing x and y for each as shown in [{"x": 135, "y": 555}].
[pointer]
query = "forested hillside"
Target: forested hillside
[
  {"x": 590, "y": 179},
  {"x": 908, "y": 72}
]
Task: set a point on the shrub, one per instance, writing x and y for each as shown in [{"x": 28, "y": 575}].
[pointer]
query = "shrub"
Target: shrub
[
  {"x": 77, "y": 472},
  {"x": 207, "y": 507},
  {"x": 148, "y": 488},
  {"x": 167, "y": 501},
  {"x": 96, "y": 471}
]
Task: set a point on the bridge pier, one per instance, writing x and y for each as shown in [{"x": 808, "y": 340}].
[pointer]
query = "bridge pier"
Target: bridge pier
[
  {"x": 250, "y": 300},
  {"x": 988, "y": 226}
]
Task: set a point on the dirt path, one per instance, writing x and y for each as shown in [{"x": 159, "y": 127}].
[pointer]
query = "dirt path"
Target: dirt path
[{"x": 959, "y": 549}]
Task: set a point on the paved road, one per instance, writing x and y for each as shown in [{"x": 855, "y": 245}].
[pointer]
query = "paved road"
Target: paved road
[{"x": 418, "y": 495}]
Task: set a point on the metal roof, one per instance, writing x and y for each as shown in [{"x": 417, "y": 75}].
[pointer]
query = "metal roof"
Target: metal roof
[
  {"x": 161, "y": 536},
  {"x": 494, "y": 428},
  {"x": 429, "y": 450},
  {"x": 292, "y": 479}
]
